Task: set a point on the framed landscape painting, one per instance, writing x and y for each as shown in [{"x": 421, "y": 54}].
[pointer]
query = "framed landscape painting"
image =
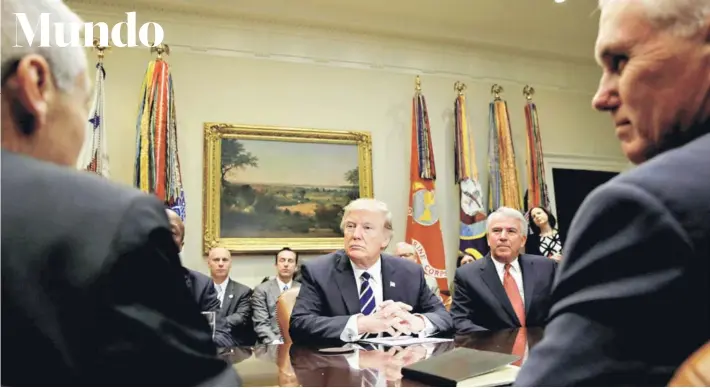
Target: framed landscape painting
[{"x": 267, "y": 188}]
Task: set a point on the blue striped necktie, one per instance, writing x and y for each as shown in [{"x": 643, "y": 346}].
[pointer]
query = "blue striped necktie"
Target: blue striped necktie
[{"x": 367, "y": 296}]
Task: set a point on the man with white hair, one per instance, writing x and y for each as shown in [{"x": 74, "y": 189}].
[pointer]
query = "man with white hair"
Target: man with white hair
[
  {"x": 631, "y": 300},
  {"x": 505, "y": 289},
  {"x": 91, "y": 283},
  {"x": 406, "y": 251},
  {"x": 361, "y": 291}
]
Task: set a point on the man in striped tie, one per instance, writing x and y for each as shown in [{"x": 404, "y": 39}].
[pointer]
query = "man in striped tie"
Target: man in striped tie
[{"x": 361, "y": 291}]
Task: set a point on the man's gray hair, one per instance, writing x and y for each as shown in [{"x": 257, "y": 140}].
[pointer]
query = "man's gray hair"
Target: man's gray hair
[
  {"x": 507, "y": 212},
  {"x": 683, "y": 17},
  {"x": 368, "y": 204},
  {"x": 66, "y": 63}
]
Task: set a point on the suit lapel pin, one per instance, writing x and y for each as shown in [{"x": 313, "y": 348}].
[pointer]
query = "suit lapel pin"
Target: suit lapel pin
[{"x": 391, "y": 284}]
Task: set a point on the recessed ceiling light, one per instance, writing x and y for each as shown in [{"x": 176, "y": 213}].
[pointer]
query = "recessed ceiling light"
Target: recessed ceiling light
[{"x": 559, "y": 1}]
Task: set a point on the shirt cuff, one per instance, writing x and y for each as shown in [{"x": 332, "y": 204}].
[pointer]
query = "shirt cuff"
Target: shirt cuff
[
  {"x": 429, "y": 328},
  {"x": 350, "y": 333}
]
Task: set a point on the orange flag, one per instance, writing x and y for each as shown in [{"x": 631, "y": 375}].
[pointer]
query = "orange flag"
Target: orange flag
[{"x": 423, "y": 226}]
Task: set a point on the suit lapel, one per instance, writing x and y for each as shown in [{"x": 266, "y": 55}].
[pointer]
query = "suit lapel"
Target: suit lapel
[
  {"x": 388, "y": 273},
  {"x": 528, "y": 271},
  {"x": 275, "y": 290},
  {"x": 492, "y": 280},
  {"x": 345, "y": 280}
]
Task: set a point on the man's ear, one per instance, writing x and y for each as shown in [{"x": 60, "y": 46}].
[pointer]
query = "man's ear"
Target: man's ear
[{"x": 33, "y": 85}]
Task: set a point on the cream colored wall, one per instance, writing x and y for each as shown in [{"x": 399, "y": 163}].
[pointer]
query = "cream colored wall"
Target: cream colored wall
[{"x": 274, "y": 75}]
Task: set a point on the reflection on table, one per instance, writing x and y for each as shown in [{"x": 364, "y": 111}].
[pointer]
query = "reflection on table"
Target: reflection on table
[{"x": 363, "y": 365}]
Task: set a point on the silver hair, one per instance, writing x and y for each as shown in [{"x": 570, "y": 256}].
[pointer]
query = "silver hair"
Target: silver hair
[
  {"x": 66, "y": 63},
  {"x": 369, "y": 204},
  {"x": 507, "y": 212},
  {"x": 682, "y": 17}
]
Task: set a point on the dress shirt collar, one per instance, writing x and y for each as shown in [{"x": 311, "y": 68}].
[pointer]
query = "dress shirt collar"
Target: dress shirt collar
[
  {"x": 282, "y": 284},
  {"x": 375, "y": 270},
  {"x": 500, "y": 267}
]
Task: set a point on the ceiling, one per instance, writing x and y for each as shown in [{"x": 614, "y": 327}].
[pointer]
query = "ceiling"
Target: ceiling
[{"x": 537, "y": 26}]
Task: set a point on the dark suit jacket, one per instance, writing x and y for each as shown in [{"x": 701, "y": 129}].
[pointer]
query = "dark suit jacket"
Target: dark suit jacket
[
  {"x": 329, "y": 296},
  {"x": 92, "y": 288},
  {"x": 480, "y": 301},
  {"x": 631, "y": 300},
  {"x": 204, "y": 293},
  {"x": 236, "y": 312}
]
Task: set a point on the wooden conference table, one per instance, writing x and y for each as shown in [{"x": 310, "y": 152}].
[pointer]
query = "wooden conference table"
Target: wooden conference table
[{"x": 294, "y": 365}]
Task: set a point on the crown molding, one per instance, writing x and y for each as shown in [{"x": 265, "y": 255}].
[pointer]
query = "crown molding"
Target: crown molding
[{"x": 238, "y": 36}]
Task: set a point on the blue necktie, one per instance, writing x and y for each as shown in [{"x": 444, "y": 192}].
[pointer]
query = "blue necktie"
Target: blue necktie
[{"x": 367, "y": 296}]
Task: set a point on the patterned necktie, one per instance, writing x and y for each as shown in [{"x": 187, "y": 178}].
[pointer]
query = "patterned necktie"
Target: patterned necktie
[
  {"x": 220, "y": 294},
  {"x": 367, "y": 296},
  {"x": 511, "y": 288}
]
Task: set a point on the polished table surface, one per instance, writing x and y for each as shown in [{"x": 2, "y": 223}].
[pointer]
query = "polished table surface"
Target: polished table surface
[{"x": 294, "y": 365}]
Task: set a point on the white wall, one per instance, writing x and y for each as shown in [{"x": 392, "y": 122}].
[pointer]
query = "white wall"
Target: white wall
[{"x": 251, "y": 73}]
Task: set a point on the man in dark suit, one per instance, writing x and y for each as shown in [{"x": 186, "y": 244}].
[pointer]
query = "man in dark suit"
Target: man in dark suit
[
  {"x": 234, "y": 297},
  {"x": 360, "y": 290},
  {"x": 631, "y": 300},
  {"x": 488, "y": 292},
  {"x": 92, "y": 293},
  {"x": 201, "y": 286}
]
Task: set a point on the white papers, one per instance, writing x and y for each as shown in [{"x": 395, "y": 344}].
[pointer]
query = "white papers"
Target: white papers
[
  {"x": 405, "y": 340},
  {"x": 504, "y": 375}
]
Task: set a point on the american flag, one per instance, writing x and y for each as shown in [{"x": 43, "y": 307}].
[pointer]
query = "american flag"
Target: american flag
[{"x": 94, "y": 156}]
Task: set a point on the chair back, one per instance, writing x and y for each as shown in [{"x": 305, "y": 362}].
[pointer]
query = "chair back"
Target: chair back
[
  {"x": 284, "y": 306},
  {"x": 695, "y": 371}
]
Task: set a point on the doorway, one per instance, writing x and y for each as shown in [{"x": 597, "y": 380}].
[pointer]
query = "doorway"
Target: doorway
[{"x": 571, "y": 188}]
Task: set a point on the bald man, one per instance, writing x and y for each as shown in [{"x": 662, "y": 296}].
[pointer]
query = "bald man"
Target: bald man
[
  {"x": 406, "y": 251},
  {"x": 200, "y": 285},
  {"x": 234, "y": 297}
]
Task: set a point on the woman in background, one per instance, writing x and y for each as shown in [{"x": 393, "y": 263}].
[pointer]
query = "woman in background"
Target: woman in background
[{"x": 544, "y": 240}]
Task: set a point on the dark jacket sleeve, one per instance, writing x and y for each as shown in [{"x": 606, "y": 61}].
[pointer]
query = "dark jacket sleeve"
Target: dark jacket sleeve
[
  {"x": 623, "y": 267},
  {"x": 242, "y": 315},
  {"x": 462, "y": 304},
  {"x": 154, "y": 332},
  {"x": 308, "y": 321}
]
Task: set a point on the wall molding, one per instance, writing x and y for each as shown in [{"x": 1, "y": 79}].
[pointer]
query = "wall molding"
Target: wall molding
[
  {"x": 580, "y": 162},
  {"x": 263, "y": 40}
]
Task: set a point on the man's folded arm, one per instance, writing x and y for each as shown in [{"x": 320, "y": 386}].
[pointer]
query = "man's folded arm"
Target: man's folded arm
[
  {"x": 623, "y": 267},
  {"x": 307, "y": 320}
]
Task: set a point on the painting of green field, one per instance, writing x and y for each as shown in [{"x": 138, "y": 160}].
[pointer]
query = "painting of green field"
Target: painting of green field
[{"x": 282, "y": 189}]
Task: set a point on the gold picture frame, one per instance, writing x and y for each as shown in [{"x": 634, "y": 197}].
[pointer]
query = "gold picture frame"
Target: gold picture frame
[{"x": 252, "y": 196}]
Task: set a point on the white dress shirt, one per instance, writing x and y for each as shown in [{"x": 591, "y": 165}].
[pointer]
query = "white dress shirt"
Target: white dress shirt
[
  {"x": 282, "y": 284},
  {"x": 221, "y": 289},
  {"x": 514, "y": 272},
  {"x": 350, "y": 333}
]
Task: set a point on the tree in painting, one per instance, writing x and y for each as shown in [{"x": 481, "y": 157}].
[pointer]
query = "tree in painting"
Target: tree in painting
[{"x": 250, "y": 209}]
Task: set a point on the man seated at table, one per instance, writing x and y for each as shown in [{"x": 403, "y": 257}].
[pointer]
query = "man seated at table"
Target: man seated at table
[
  {"x": 406, "y": 251},
  {"x": 360, "y": 290},
  {"x": 505, "y": 289}
]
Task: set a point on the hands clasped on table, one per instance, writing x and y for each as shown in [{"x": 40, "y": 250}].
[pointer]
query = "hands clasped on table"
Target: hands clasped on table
[{"x": 391, "y": 317}]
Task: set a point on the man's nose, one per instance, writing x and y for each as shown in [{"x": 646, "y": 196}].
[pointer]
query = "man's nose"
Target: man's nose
[{"x": 607, "y": 97}]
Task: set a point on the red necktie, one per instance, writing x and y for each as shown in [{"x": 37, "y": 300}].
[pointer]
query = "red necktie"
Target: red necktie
[
  {"x": 511, "y": 288},
  {"x": 521, "y": 339}
]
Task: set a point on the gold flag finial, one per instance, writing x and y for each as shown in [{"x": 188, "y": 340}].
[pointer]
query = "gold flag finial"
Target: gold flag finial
[
  {"x": 528, "y": 92},
  {"x": 101, "y": 50},
  {"x": 160, "y": 49},
  {"x": 460, "y": 87},
  {"x": 496, "y": 90},
  {"x": 418, "y": 84}
]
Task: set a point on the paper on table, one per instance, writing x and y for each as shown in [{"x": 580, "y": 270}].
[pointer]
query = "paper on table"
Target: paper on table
[{"x": 405, "y": 340}]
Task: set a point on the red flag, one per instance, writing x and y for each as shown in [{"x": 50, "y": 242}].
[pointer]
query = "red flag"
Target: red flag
[{"x": 423, "y": 226}]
